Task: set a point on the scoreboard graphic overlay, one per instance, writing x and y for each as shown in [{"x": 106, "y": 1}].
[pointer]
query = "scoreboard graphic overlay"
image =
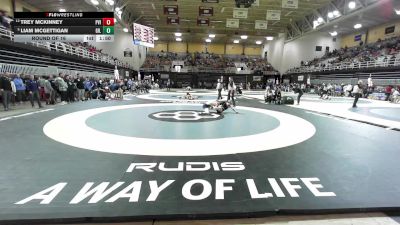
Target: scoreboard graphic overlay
[{"x": 64, "y": 26}]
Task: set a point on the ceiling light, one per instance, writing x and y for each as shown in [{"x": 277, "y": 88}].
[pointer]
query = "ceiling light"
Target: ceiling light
[
  {"x": 156, "y": 38},
  {"x": 211, "y": 35},
  {"x": 259, "y": 42},
  {"x": 117, "y": 9},
  {"x": 336, "y": 13},
  {"x": 397, "y": 11},
  {"x": 178, "y": 34},
  {"x": 110, "y": 2},
  {"x": 178, "y": 39},
  {"x": 358, "y": 26},
  {"x": 94, "y": 2},
  {"x": 320, "y": 20},
  {"x": 208, "y": 40},
  {"x": 330, "y": 15},
  {"x": 236, "y": 41},
  {"x": 126, "y": 30},
  {"x": 352, "y": 5},
  {"x": 269, "y": 38},
  {"x": 62, "y": 10},
  {"x": 244, "y": 37},
  {"x": 333, "y": 34}
]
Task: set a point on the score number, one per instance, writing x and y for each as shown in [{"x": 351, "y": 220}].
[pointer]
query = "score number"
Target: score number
[
  {"x": 108, "y": 21},
  {"x": 108, "y": 26}
]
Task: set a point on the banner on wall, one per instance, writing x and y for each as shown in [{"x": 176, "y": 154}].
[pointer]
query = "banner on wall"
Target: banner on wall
[
  {"x": 261, "y": 24},
  {"x": 206, "y": 11},
  {"x": 164, "y": 76},
  {"x": 173, "y": 20},
  {"x": 300, "y": 78},
  {"x": 170, "y": 9},
  {"x": 273, "y": 14},
  {"x": 257, "y": 78},
  {"x": 240, "y": 13},
  {"x": 389, "y": 30},
  {"x": 232, "y": 23},
  {"x": 290, "y": 4},
  {"x": 358, "y": 37},
  {"x": 203, "y": 22}
]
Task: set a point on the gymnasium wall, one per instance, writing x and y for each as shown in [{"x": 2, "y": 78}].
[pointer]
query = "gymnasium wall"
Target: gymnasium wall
[
  {"x": 374, "y": 34},
  {"x": 7, "y": 6},
  {"x": 349, "y": 40},
  {"x": 234, "y": 49},
  {"x": 122, "y": 42},
  {"x": 21, "y": 6},
  {"x": 216, "y": 48},
  {"x": 284, "y": 56},
  {"x": 274, "y": 50},
  {"x": 379, "y": 32}
]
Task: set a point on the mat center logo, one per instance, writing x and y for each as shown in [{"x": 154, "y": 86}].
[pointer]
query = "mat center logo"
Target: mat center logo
[{"x": 185, "y": 116}]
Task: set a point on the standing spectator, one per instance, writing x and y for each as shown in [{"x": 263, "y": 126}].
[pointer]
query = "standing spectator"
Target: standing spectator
[
  {"x": 56, "y": 92},
  {"x": 168, "y": 85},
  {"x": 370, "y": 85},
  {"x": 62, "y": 87},
  {"x": 88, "y": 88},
  {"x": 5, "y": 90},
  {"x": 231, "y": 91},
  {"x": 32, "y": 86},
  {"x": 42, "y": 94},
  {"x": 70, "y": 89},
  {"x": 49, "y": 92},
  {"x": 219, "y": 89},
  {"x": 388, "y": 91},
  {"x": 81, "y": 88},
  {"x": 20, "y": 88},
  {"x": 357, "y": 91},
  {"x": 299, "y": 91},
  {"x": 13, "y": 92}
]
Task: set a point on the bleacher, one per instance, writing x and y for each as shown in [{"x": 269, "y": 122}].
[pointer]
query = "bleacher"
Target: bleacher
[
  {"x": 381, "y": 55},
  {"x": 45, "y": 56},
  {"x": 208, "y": 63}
]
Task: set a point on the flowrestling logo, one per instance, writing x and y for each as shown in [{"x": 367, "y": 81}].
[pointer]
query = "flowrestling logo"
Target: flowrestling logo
[{"x": 185, "y": 116}]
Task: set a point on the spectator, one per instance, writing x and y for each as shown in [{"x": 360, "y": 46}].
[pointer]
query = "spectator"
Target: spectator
[
  {"x": 62, "y": 87},
  {"x": 20, "y": 88},
  {"x": 4, "y": 21},
  {"x": 231, "y": 91},
  {"x": 49, "y": 92},
  {"x": 5, "y": 90},
  {"x": 32, "y": 86},
  {"x": 357, "y": 92},
  {"x": 81, "y": 88}
]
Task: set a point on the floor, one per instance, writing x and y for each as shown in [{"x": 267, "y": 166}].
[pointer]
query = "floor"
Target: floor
[
  {"x": 157, "y": 157},
  {"x": 333, "y": 219}
]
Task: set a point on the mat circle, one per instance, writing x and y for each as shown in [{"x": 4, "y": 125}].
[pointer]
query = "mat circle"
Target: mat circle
[{"x": 71, "y": 128}]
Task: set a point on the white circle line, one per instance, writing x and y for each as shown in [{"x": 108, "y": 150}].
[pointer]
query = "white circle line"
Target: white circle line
[{"x": 71, "y": 129}]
